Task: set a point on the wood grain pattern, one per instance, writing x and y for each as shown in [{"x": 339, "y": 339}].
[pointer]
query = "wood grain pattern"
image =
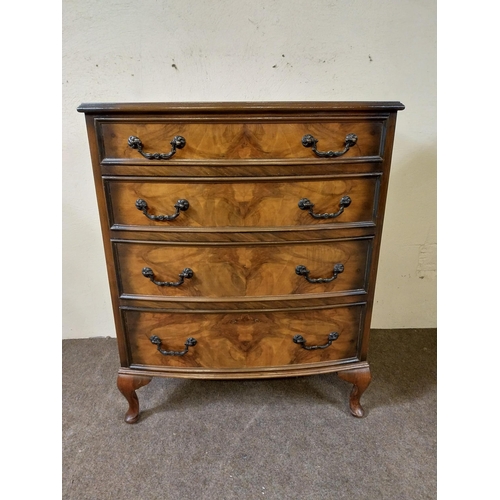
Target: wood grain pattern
[
  {"x": 240, "y": 168},
  {"x": 243, "y": 270},
  {"x": 243, "y": 204},
  {"x": 242, "y": 235},
  {"x": 240, "y": 340},
  {"x": 248, "y": 304},
  {"x": 243, "y": 171},
  {"x": 260, "y": 372},
  {"x": 264, "y": 140}
]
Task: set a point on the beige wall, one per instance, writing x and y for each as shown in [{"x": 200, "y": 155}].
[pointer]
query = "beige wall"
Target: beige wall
[{"x": 253, "y": 51}]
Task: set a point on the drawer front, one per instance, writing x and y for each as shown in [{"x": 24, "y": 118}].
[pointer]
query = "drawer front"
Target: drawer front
[
  {"x": 243, "y": 270},
  {"x": 243, "y": 204},
  {"x": 251, "y": 140},
  {"x": 243, "y": 340}
]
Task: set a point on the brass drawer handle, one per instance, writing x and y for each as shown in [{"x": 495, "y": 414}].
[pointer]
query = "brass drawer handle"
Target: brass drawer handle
[
  {"x": 303, "y": 271},
  {"x": 178, "y": 142},
  {"x": 298, "y": 339},
  {"x": 190, "y": 342},
  {"x": 147, "y": 272},
  {"x": 181, "y": 205},
  {"x": 308, "y": 141},
  {"x": 306, "y": 204}
]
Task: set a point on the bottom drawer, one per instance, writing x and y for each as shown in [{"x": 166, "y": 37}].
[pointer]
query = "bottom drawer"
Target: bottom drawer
[{"x": 236, "y": 339}]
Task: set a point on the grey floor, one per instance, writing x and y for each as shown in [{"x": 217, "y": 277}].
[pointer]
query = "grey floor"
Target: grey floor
[{"x": 270, "y": 439}]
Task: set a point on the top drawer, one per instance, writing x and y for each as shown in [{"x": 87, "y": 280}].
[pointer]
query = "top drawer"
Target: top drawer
[{"x": 228, "y": 140}]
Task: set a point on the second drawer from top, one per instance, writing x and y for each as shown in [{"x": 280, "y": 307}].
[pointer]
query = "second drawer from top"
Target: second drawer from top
[{"x": 168, "y": 204}]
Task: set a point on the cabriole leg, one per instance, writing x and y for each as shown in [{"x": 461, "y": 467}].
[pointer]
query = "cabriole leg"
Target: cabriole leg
[
  {"x": 128, "y": 384},
  {"x": 361, "y": 378}
]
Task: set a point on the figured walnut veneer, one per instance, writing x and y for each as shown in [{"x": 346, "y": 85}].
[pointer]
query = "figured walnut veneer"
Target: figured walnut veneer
[
  {"x": 207, "y": 140},
  {"x": 229, "y": 270},
  {"x": 243, "y": 340},
  {"x": 250, "y": 203},
  {"x": 216, "y": 291}
]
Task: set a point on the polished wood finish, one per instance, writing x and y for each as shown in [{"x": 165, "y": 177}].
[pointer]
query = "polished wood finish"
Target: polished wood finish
[
  {"x": 243, "y": 171},
  {"x": 360, "y": 378},
  {"x": 242, "y": 270},
  {"x": 284, "y": 169},
  {"x": 127, "y": 385},
  {"x": 258, "y": 139},
  {"x": 229, "y": 108},
  {"x": 250, "y": 203},
  {"x": 243, "y": 340}
]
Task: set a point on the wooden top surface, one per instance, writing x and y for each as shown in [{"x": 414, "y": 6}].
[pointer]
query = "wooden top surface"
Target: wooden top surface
[{"x": 235, "y": 107}]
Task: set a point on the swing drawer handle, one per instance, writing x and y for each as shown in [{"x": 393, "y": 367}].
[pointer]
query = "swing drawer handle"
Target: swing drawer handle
[
  {"x": 178, "y": 142},
  {"x": 180, "y": 206},
  {"x": 308, "y": 141},
  {"x": 187, "y": 273},
  {"x": 298, "y": 339},
  {"x": 190, "y": 342},
  {"x": 303, "y": 271}
]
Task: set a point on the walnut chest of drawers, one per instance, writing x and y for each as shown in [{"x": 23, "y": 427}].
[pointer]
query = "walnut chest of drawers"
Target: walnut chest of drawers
[{"x": 241, "y": 239}]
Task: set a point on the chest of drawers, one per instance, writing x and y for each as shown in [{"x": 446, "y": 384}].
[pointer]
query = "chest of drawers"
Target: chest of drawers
[{"x": 241, "y": 239}]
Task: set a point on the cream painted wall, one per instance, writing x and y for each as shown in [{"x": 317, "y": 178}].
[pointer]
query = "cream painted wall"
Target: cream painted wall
[{"x": 124, "y": 51}]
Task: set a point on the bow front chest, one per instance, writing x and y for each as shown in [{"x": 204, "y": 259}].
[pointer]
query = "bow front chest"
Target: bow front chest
[{"x": 241, "y": 239}]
